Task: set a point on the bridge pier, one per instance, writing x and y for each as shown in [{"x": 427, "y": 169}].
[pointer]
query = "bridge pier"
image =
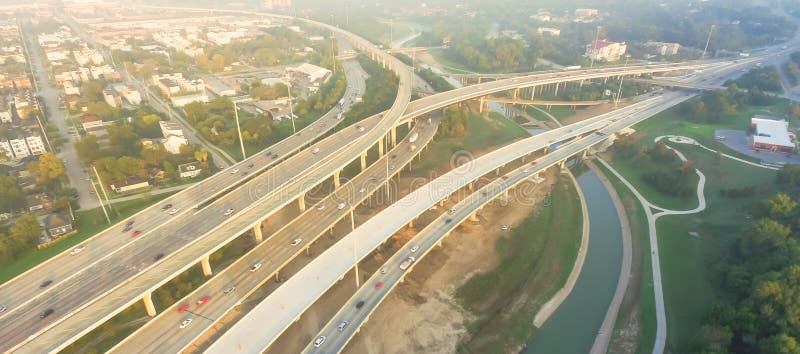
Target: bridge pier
[
  {"x": 556, "y": 93},
  {"x": 206, "y": 264},
  {"x": 363, "y": 161},
  {"x": 380, "y": 148},
  {"x": 148, "y": 304},
  {"x": 257, "y": 235},
  {"x": 480, "y": 105},
  {"x": 441, "y": 202},
  {"x": 336, "y": 182},
  {"x": 301, "y": 201},
  {"x": 562, "y": 164},
  {"x": 394, "y": 136},
  {"x": 584, "y": 154},
  {"x": 471, "y": 185},
  {"x": 474, "y": 216}
]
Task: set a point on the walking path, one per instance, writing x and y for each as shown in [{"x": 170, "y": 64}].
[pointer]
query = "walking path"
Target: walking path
[
  {"x": 684, "y": 140},
  {"x": 603, "y": 338},
  {"x": 661, "y": 323},
  {"x": 551, "y": 305}
]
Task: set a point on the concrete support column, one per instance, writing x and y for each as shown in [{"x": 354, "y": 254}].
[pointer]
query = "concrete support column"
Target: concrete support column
[
  {"x": 546, "y": 149},
  {"x": 471, "y": 185},
  {"x": 480, "y": 105},
  {"x": 441, "y": 203},
  {"x": 497, "y": 171},
  {"x": 533, "y": 92},
  {"x": 148, "y": 304},
  {"x": 257, "y": 235},
  {"x": 206, "y": 264},
  {"x": 363, "y": 161},
  {"x": 585, "y": 153},
  {"x": 474, "y": 216},
  {"x": 336, "y": 182},
  {"x": 505, "y": 194},
  {"x": 394, "y": 136},
  {"x": 515, "y": 93},
  {"x": 301, "y": 201},
  {"x": 411, "y": 224},
  {"x": 580, "y": 84},
  {"x": 408, "y": 124},
  {"x": 380, "y": 148},
  {"x": 562, "y": 164}
]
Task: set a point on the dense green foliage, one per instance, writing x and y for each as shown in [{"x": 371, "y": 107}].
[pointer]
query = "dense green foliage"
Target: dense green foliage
[
  {"x": 378, "y": 96},
  {"x": 716, "y": 106},
  {"x": 23, "y": 235},
  {"x": 760, "y": 79}
]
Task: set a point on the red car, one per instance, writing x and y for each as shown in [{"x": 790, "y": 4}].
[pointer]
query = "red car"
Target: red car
[
  {"x": 534, "y": 163},
  {"x": 183, "y": 308},
  {"x": 136, "y": 233},
  {"x": 378, "y": 285},
  {"x": 202, "y": 301}
]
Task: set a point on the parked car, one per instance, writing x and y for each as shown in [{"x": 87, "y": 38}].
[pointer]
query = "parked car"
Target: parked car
[{"x": 504, "y": 227}]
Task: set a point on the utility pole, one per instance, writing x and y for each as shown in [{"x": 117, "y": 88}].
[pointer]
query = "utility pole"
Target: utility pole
[
  {"x": 621, "y": 78},
  {"x": 592, "y": 53},
  {"x": 391, "y": 32},
  {"x": 102, "y": 204},
  {"x": 291, "y": 110},
  {"x": 238, "y": 129},
  {"x": 355, "y": 253},
  {"x": 708, "y": 40}
]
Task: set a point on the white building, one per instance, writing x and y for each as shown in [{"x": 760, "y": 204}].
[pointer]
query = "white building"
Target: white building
[
  {"x": 5, "y": 116},
  {"x": 132, "y": 95},
  {"x": 87, "y": 56},
  {"x": 171, "y": 84},
  {"x": 108, "y": 96},
  {"x": 57, "y": 55},
  {"x": 71, "y": 89},
  {"x": 173, "y": 143},
  {"x": 5, "y": 147},
  {"x": 548, "y": 30},
  {"x": 772, "y": 134},
  {"x": 190, "y": 170},
  {"x": 605, "y": 50},
  {"x": 180, "y": 101},
  {"x": 664, "y": 48},
  {"x": 170, "y": 128},
  {"x": 35, "y": 145},
  {"x": 315, "y": 74},
  {"x": 19, "y": 148}
]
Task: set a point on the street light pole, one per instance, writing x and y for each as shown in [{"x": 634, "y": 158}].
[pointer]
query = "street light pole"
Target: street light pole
[
  {"x": 592, "y": 53},
  {"x": 291, "y": 110},
  {"x": 708, "y": 40},
  {"x": 621, "y": 78},
  {"x": 238, "y": 129},
  {"x": 355, "y": 253}
]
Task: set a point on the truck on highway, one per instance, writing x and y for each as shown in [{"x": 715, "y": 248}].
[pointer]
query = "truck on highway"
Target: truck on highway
[
  {"x": 572, "y": 67},
  {"x": 407, "y": 263},
  {"x": 413, "y": 137},
  {"x": 339, "y": 116}
]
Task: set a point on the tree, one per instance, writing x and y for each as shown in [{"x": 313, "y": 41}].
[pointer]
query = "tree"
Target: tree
[
  {"x": 763, "y": 237},
  {"x": 217, "y": 62},
  {"x": 781, "y": 206},
  {"x": 154, "y": 155},
  {"x": 11, "y": 196},
  {"x": 686, "y": 167},
  {"x": 170, "y": 173},
  {"x": 780, "y": 344},
  {"x": 26, "y": 230},
  {"x": 49, "y": 168},
  {"x": 201, "y": 155},
  {"x": 87, "y": 148},
  {"x": 795, "y": 109}
]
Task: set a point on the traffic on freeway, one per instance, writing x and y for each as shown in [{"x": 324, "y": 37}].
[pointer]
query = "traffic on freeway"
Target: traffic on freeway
[{"x": 278, "y": 250}]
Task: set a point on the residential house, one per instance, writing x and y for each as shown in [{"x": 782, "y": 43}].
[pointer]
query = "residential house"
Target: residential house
[
  {"x": 58, "y": 224},
  {"x": 190, "y": 170}
]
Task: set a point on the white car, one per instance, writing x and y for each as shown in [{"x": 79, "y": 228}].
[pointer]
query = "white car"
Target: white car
[
  {"x": 504, "y": 227},
  {"x": 320, "y": 206},
  {"x": 255, "y": 267},
  {"x": 414, "y": 248},
  {"x": 451, "y": 211},
  {"x": 185, "y": 323},
  {"x": 228, "y": 212},
  {"x": 319, "y": 341},
  {"x": 3, "y": 309},
  {"x": 314, "y": 150},
  {"x": 360, "y": 128},
  {"x": 296, "y": 241},
  {"x": 76, "y": 250},
  {"x": 233, "y": 171},
  {"x": 340, "y": 206},
  {"x": 174, "y": 211}
]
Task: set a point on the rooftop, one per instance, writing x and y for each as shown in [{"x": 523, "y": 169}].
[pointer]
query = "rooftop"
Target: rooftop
[{"x": 771, "y": 130}]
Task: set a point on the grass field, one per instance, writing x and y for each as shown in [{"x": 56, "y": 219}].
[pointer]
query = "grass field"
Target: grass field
[
  {"x": 686, "y": 260},
  {"x": 89, "y": 223},
  {"x": 482, "y": 132},
  {"x": 536, "y": 259}
]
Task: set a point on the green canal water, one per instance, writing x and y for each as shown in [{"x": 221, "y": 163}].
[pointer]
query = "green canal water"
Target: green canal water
[{"x": 574, "y": 325}]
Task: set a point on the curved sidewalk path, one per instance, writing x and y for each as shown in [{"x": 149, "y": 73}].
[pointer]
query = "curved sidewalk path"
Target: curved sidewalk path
[{"x": 661, "y": 323}]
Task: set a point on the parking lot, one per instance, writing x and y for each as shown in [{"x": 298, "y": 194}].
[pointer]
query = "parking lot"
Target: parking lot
[{"x": 739, "y": 140}]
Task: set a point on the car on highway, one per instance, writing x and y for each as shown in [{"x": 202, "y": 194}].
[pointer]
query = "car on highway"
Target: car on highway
[
  {"x": 384, "y": 269},
  {"x": 228, "y": 212},
  {"x": 77, "y": 250},
  {"x": 534, "y": 163},
  {"x": 255, "y": 267},
  {"x": 128, "y": 226},
  {"x": 414, "y": 248},
  {"x": 250, "y": 165},
  {"x": 600, "y": 133},
  {"x": 378, "y": 285},
  {"x": 3, "y": 309},
  {"x": 342, "y": 326},
  {"x": 233, "y": 171},
  {"x": 45, "y": 313},
  {"x": 360, "y": 304},
  {"x": 157, "y": 257},
  {"x": 314, "y": 150},
  {"x": 504, "y": 227},
  {"x": 340, "y": 206},
  {"x": 136, "y": 233},
  {"x": 448, "y": 220},
  {"x": 296, "y": 241},
  {"x": 360, "y": 128},
  {"x": 318, "y": 342},
  {"x": 183, "y": 308},
  {"x": 203, "y": 300},
  {"x": 229, "y": 290},
  {"x": 173, "y": 211},
  {"x": 185, "y": 323},
  {"x": 320, "y": 206},
  {"x": 166, "y": 207},
  {"x": 274, "y": 156},
  {"x": 451, "y": 211},
  {"x": 268, "y": 153}
]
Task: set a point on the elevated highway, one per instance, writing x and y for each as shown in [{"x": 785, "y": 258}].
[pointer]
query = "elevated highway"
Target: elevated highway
[
  {"x": 511, "y": 100},
  {"x": 467, "y": 208},
  {"x": 292, "y": 298}
]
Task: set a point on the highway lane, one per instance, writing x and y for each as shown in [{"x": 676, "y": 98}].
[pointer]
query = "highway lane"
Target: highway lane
[
  {"x": 190, "y": 227},
  {"x": 432, "y": 234},
  {"x": 25, "y": 288},
  {"x": 299, "y": 292},
  {"x": 162, "y": 333}
]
